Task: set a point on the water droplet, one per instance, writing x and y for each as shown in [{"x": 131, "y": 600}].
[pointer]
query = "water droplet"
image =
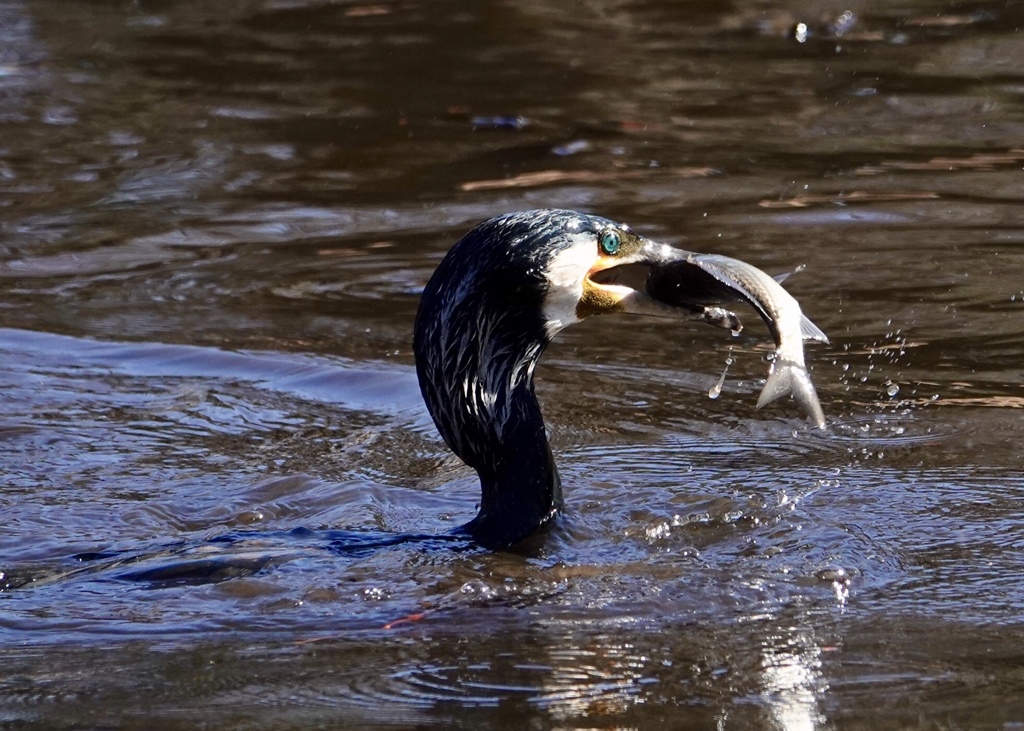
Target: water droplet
[
  {"x": 716, "y": 390},
  {"x": 661, "y": 530},
  {"x": 892, "y": 389},
  {"x": 476, "y": 587},
  {"x": 375, "y": 593},
  {"x": 833, "y": 573}
]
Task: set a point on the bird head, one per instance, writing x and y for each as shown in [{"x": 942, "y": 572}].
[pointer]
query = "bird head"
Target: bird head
[{"x": 597, "y": 266}]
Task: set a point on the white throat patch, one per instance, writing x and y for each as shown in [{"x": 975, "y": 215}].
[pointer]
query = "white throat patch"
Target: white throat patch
[{"x": 567, "y": 271}]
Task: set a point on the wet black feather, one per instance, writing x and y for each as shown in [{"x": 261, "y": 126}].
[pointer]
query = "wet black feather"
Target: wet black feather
[{"x": 479, "y": 333}]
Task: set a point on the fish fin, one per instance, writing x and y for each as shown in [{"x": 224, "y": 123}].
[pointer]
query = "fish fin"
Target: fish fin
[
  {"x": 791, "y": 379},
  {"x": 780, "y": 278},
  {"x": 810, "y": 331}
]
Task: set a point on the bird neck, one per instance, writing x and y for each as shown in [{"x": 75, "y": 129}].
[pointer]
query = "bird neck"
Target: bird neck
[
  {"x": 479, "y": 332},
  {"x": 489, "y": 416},
  {"x": 520, "y": 486}
]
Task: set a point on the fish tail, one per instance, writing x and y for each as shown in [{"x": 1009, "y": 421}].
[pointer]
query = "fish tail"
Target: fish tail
[{"x": 789, "y": 378}]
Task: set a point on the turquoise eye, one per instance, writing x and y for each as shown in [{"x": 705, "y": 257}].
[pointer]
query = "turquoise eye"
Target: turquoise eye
[{"x": 610, "y": 243}]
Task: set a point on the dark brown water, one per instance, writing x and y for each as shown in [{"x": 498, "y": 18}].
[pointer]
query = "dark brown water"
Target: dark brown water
[{"x": 215, "y": 220}]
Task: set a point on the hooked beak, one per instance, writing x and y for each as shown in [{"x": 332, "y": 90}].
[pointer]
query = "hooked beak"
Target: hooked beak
[{"x": 633, "y": 284}]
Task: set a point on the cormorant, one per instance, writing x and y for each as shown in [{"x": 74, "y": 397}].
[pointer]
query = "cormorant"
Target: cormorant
[
  {"x": 485, "y": 317},
  {"x": 488, "y": 312}
]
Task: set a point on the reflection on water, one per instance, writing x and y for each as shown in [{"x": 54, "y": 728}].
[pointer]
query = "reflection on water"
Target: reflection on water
[
  {"x": 215, "y": 221},
  {"x": 793, "y": 682}
]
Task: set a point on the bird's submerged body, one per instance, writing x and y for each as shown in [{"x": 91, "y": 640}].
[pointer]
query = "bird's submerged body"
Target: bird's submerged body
[{"x": 492, "y": 307}]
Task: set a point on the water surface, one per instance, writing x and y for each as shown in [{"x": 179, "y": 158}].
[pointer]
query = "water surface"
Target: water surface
[{"x": 215, "y": 222}]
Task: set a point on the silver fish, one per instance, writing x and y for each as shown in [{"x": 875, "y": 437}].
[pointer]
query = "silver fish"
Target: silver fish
[{"x": 684, "y": 282}]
